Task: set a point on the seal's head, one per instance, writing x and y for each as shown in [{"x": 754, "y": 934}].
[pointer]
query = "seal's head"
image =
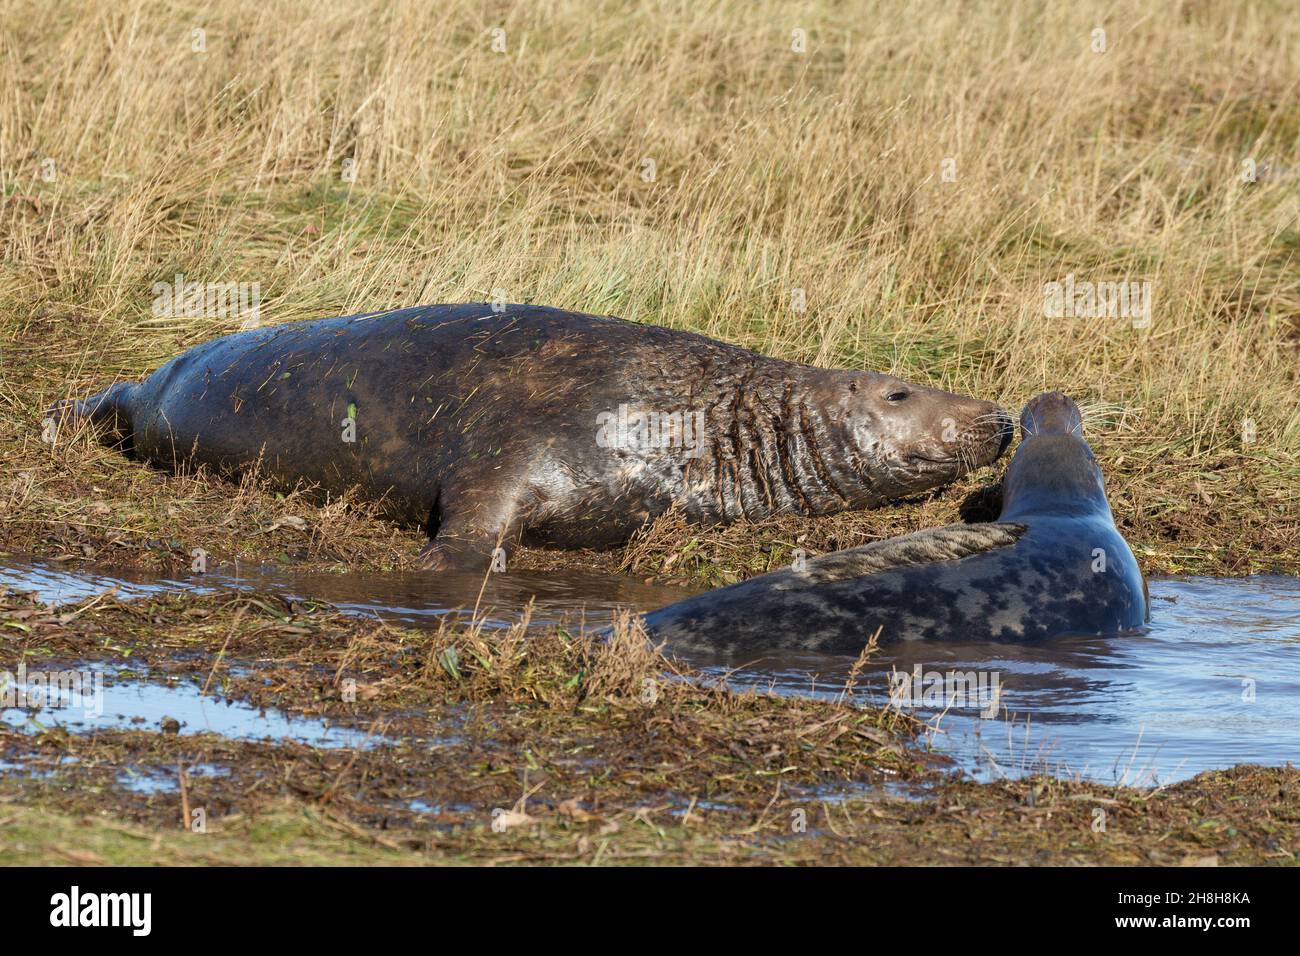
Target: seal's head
[
  {"x": 1053, "y": 470},
  {"x": 908, "y": 438}
]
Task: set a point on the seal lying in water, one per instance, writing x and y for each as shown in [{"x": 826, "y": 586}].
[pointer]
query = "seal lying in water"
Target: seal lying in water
[
  {"x": 1052, "y": 564},
  {"x": 484, "y": 425}
]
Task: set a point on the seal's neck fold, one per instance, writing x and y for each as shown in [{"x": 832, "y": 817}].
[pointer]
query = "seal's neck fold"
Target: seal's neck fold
[{"x": 1053, "y": 474}]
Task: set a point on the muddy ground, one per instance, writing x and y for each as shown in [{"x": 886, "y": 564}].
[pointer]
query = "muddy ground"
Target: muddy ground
[
  {"x": 551, "y": 748},
  {"x": 487, "y": 747}
]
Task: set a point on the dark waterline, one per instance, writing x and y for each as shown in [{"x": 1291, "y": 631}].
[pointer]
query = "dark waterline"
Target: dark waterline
[{"x": 1215, "y": 682}]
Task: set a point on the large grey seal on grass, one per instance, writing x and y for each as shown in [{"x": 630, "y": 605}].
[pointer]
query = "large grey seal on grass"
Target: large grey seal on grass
[
  {"x": 484, "y": 424},
  {"x": 1052, "y": 564}
]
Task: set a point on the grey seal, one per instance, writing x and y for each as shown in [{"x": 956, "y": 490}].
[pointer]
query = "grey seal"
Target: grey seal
[
  {"x": 487, "y": 425},
  {"x": 1052, "y": 564}
]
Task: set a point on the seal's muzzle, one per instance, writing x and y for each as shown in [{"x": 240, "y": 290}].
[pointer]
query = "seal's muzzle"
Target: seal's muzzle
[{"x": 1051, "y": 413}]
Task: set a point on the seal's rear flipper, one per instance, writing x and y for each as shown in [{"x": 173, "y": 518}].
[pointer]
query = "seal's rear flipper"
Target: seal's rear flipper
[{"x": 108, "y": 412}]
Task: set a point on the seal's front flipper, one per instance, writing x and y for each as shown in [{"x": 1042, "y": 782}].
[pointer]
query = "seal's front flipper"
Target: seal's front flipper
[
  {"x": 476, "y": 517},
  {"x": 473, "y": 541},
  {"x": 948, "y": 543},
  {"x": 445, "y": 553}
]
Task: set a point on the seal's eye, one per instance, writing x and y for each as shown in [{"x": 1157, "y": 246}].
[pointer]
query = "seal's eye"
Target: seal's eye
[{"x": 897, "y": 396}]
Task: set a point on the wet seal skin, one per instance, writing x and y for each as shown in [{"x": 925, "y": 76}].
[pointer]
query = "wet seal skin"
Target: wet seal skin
[
  {"x": 487, "y": 424},
  {"x": 1052, "y": 564}
]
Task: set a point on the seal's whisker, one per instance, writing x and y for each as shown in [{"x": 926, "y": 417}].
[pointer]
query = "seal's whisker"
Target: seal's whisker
[
  {"x": 1101, "y": 413},
  {"x": 1029, "y": 423}
]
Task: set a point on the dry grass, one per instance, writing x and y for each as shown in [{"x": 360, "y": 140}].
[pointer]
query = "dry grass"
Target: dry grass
[{"x": 774, "y": 171}]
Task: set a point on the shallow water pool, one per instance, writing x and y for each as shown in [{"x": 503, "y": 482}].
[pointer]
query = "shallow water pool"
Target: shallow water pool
[{"x": 1214, "y": 682}]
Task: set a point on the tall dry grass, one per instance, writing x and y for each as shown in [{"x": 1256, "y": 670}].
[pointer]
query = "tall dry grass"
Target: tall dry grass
[{"x": 774, "y": 171}]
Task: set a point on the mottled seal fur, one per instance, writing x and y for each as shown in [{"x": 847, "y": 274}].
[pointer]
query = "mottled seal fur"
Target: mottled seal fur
[
  {"x": 1052, "y": 564},
  {"x": 487, "y": 425}
]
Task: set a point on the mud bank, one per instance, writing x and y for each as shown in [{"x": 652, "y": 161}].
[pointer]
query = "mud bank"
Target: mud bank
[{"x": 462, "y": 745}]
